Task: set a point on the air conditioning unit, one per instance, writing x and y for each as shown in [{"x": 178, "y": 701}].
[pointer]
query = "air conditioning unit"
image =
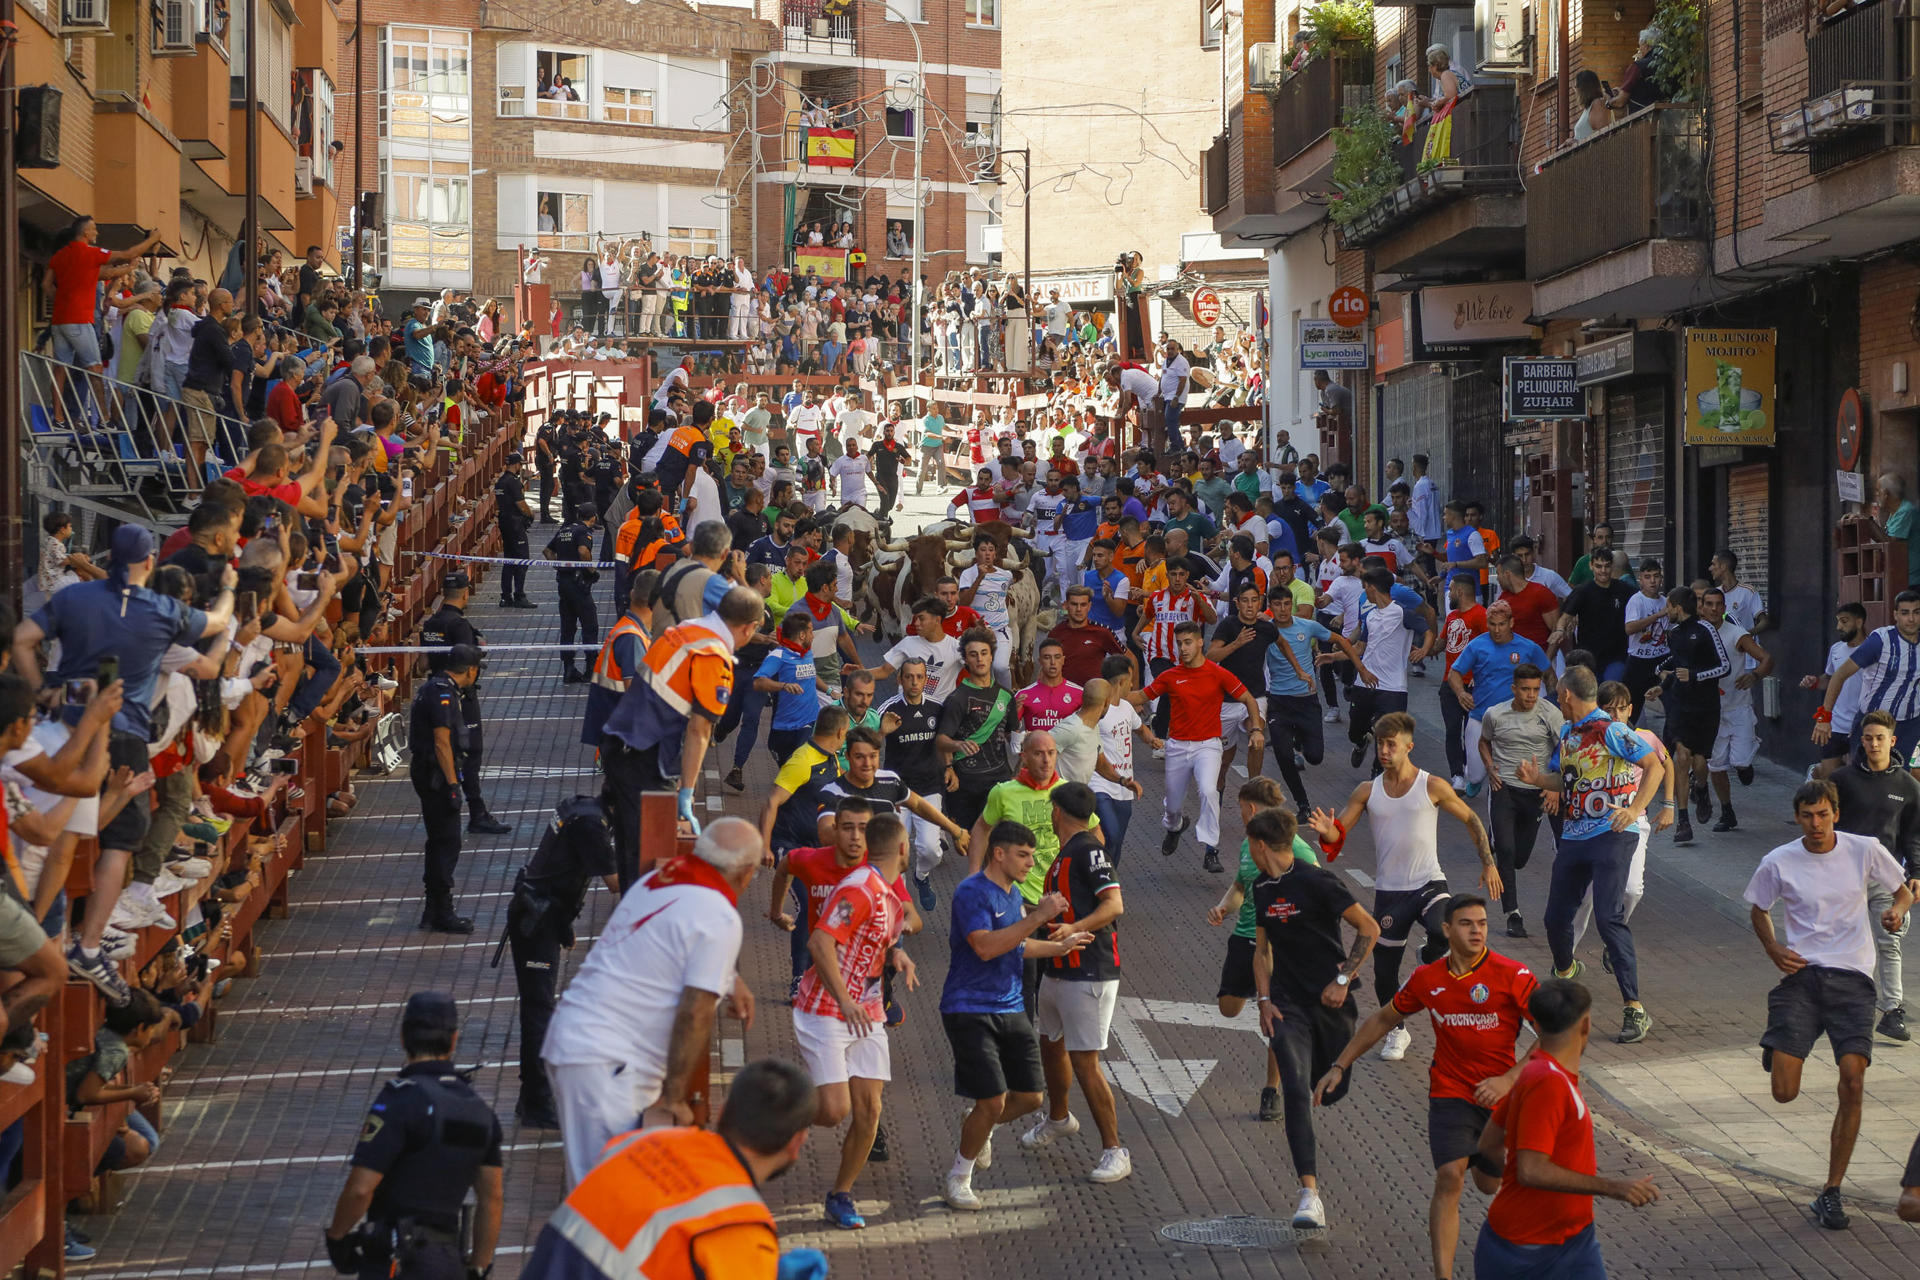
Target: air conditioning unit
[
  {"x": 303, "y": 175},
  {"x": 84, "y": 17},
  {"x": 1265, "y": 66},
  {"x": 179, "y": 25}
]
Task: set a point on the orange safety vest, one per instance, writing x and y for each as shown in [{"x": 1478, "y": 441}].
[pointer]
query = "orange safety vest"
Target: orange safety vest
[
  {"x": 658, "y": 1196},
  {"x": 606, "y": 667},
  {"x": 689, "y": 668},
  {"x": 623, "y": 541}
]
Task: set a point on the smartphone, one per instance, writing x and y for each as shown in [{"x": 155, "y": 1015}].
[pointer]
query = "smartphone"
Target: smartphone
[
  {"x": 108, "y": 672},
  {"x": 286, "y": 764},
  {"x": 76, "y": 693},
  {"x": 244, "y": 605},
  {"x": 1607, "y": 88},
  {"x": 307, "y": 581},
  {"x": 406, "y": 486},
  {"x": 332, "y": 562}
]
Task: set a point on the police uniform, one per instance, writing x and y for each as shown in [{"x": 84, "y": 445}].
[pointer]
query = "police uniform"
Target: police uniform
[
  {"x": 573, "y": 543},
  {"x": 449, "y": 626},
  {"x": 437, "y": 706},
  {"x": 427, "y": 1135},
  {"x": 576, "y": 490},
  {"x": 548, "y": 894},
  {"x": 545, "y": 460},
  {"x": 509, "y": 494}
]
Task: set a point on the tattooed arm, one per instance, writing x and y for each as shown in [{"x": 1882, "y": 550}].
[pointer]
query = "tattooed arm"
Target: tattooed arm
[
  {"x": 1366, "y": 932},
  {"x": 1448, "y": 801}
]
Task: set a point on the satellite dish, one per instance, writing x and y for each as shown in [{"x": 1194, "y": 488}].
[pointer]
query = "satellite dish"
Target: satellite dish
[{"x": 902, "y": 91}]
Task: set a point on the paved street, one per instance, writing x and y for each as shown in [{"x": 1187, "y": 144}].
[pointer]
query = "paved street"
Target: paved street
[{"x": 258, "y": 1123}]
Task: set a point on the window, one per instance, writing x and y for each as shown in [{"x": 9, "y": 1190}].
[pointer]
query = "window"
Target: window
[
  {"x": 213, "y": 23},
  {"x": 911, "y": 10},
  {"x": 1212, "y": 20},
  {"x": 983, "y": 13},
  {"x": 563, "y": 220},
  {"x": 629, "y": 106},
  {"x": 429, "y": 87},
  {"x": 429, "y": 191},
  {"x": 698, "y": 241},
  {"x": 900, "y": 123},
  {"x": 276, "y": 65},
  {"x": 562, "y": 87},
  {"x": 982, "y": 108}
]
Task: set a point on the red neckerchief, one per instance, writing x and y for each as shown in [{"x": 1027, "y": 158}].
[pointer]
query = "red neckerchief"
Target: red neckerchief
[
  {"x": 791, "y": 647},
  {"x": 819, "y": 607},
  {"x": 689, "y": 870},
  {"x": 1027, "y": 780}
]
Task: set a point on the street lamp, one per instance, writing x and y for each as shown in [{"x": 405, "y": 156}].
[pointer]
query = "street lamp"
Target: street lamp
[{"x": 919, "y": 204}]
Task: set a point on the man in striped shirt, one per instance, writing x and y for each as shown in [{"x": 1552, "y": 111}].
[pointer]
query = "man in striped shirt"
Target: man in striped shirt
[
  {"x": 1164, "y": 611},
  {"x": 1888, "y": 663}
]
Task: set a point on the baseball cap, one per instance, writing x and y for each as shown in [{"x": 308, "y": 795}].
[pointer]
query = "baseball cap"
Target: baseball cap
[
  {"x": 431, "y": 1011},
  {"x": 131, "y": 544}
]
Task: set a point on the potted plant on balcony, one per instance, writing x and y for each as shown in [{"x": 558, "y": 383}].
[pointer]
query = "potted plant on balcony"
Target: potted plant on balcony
[
  {"x": 1340, "y": 27},
  {"x": 1364, "y": 169}
]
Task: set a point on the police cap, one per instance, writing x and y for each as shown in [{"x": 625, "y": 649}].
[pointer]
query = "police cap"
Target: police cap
[
  {"x": 455, "y": 580},
  {"x": 515, "y": 458},
  {"x": 431, "y": 1011}
]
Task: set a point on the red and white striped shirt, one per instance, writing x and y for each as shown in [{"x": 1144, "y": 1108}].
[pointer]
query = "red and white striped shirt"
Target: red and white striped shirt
[
  {"x": 1168, "y": 611},
  {"x": 984, "y": 504}
]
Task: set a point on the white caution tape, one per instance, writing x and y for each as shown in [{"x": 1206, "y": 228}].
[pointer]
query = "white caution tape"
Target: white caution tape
[
  {"x": 549, "y": 647},
  {"x": 542, "y": 564}
]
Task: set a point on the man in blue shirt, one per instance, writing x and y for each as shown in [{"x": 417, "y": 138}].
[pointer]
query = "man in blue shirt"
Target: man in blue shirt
[
  {"x": 1109, "y": 587},
  {"x": 1489, "y": 660},
  {"x": 786, "y": 676},
  {"x": 771, "y": 550},
  {"x": 996, "y": 1052},
  {"x": 1076, "y": 522},
  {"x": 117, "y": 619},
  {"x": 1293, "y": 707},
  {"x": 418, "y": 336}
]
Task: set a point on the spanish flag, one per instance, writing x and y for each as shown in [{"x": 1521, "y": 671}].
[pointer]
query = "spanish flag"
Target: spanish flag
[{"x": 828, "y": 148}]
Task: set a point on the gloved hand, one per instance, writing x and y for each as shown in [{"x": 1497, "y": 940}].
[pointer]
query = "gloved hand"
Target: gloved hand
[
  {"x": 686, "y": 809},
  {"x": 802, "y": 1264},
  {"x": 347, "y": 1254}
]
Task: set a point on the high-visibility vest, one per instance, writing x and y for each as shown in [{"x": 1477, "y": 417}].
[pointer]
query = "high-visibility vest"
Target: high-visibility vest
[
  {"x": 606, "y": 664},
  {"x": 654, "y": 1194}
]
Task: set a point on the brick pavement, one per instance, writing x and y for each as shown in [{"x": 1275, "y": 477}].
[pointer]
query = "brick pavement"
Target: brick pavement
[{"x": 258, "y": 1124}]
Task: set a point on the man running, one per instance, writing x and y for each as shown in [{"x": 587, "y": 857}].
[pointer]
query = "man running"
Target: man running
[
  {"x": 1303, "y": 983},
  {"x": 1476, "y": 1000},
  {"x": 975, "y": 721},
  {"x": 1888, "y": 661},
  {"x": 1160, "y": 617},
  {"x": 1293, "y": 710},
  {"x": 1646, "y": 625},
  {"x": 1521, "y": 730},
  {"x": 1850, "y": 624},
  {"x": 911, "y": 754},
  {"x": 1881, "y": 801},
  {"x": 984, "y": 586},
  {"x": 1738, "y": 740},
  {"x": 1824, "y": 880},
  {"x": 1466, "y": 618},
  {"x": 1078, "y": 991},
  {"x": 1197, "y": 692},
  {"x": 1240, "y": 644},
  {"x": 996, "y": 1052},
  {"x": 1403, "y": 806},
  {"x": 883, "y": 789},
  {"x": 1380, "y": 646},
  {"x": 1051, "y": 697},
  {"x": 1488, "y": 663},
  {"x": 1594, "y": 617},
  {"x": 937, "y": 652}
]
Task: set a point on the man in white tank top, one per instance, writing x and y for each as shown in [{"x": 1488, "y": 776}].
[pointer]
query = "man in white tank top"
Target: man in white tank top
[{"x": 1403, "y": 805}]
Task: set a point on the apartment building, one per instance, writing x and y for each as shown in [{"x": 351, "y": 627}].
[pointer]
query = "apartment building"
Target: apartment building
[
  {"x": 845, "y": 71},
  {"x": 562, "y": 124},
  {"x": 152, "y": 126},
  {"x": 1751, "y": 221}
]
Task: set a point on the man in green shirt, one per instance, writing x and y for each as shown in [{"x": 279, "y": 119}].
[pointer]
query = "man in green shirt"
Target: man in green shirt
[
  {"x": 1602, "y": 545},
  {"x": 319, "y": 321},
  {"x": 1212, "y": 489},
  {"x": 933, "y": 440},
  {"x": 1181, "y": 515},
  {"x": 789, "y": 584},
  {"x": 1026, "y": 798},
  {"x": 753, "y": 424},
  {"x": 856, "y": 696}
]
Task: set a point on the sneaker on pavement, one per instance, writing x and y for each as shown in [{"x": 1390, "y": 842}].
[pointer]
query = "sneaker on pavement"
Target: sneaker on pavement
[
  {"x": 1893, "y": 1026},
  {"x": 1114, "y": 1165},
  {"x": 98, "y": 970},
  {"x": 1171, "y": 840},
  {"x": 1044, "y": 1130},
  {"x": 1332, "y": 716},
  {"x": 1574, "y": 970},
  {"x": 923, "y": 890},
  {"x": 1683, "y": 831},
  {"x": 1159, "y": 753},
  {"x": 1418, "y": 669},
  {"x": 1634, "y": 1025},
  {"x": 1394, "y": 1045},
  {"x": 1727, "y": 821},
  {"x": 1269, "y": 1105},
  {"x": 1826, "y": 1210},
  {"x": 736, "y": 779},
  {"x": 1211, "y": 860},
  {"x": 1311, "y": 1215},
  {"x": 1457, "y": 782},
  {"x": 960, "y": 1193},
  {"x": 842, "y": 1213},
  {"x": 1359, "y": 754},
  {"x": 1516, "y": 927}
]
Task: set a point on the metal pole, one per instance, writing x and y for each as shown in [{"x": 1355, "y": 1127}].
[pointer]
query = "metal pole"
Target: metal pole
[
  {"x": 359, "y": 142},
  {"x": 1026, "y": 241},
  {"x": 12, "y": 488},
  {"x": 919, "y": 200},
  {"x": 250, "y": 227}
]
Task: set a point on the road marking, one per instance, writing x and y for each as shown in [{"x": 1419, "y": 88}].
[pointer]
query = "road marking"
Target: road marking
[
  {"x": 373, "y": 902},
  {"x": 1359, "y": 877},
  {"x": 353, "y": 1008},
  {"x": 188, "y": 1082},
  {"x": 292, "y": 1160},
  {"x": 320, "y": 1265}
]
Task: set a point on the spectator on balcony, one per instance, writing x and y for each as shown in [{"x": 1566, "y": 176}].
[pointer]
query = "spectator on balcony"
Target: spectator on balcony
[
  {"x": 897, "y": 246},
  {"x": 1641, "y": 84},
  {"x": 209, "y": 374},
  {"x": 1594, "y": 115}
]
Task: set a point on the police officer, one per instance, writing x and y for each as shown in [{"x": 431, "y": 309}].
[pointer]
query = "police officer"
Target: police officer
[
  {"x": 606, "y": 470},
  {"x": 548, "y": 894},
  {"x": 516, "y": 517},
  {"x": 449, "y": 626},
  {"x": 428, "y": 1140},
  {"x": 546, "y": 458},
  {"x": 437, "y": 733},
  {"x": 576, "y": 490},
  {"x": 575, "y": 542}
]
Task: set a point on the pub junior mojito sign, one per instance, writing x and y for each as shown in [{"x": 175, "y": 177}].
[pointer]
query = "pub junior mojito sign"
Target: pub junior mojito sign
[{"x": 1730, "y": 386}]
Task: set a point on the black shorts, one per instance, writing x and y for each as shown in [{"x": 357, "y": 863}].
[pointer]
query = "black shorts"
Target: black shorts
[
  {"x": 1911, "y": 1178},
  {"x": 994, "y": 1053},
  {"x": 1398, "y": 910},
  {"x": 1453, "y": 1133},
  {"x": 128, "y": 830},
  {"x": 1836, "y": 746},
  {"x": 1691, "y": 725},
  {"x": 964, "y": 806},
  {"x": 1236, "y": 973},
  {"x": 1804, "y": 1005}
]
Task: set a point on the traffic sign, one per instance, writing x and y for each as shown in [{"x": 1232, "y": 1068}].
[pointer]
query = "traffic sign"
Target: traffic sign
[
  {"x": 1206, "y": 307},
  {"x": 1348, "y": 306}
]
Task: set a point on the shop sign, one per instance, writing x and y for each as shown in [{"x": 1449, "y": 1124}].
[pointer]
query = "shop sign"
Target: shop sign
[
  {"x": 1326, "y": 345},
  {"x": 1475, "y": 313},
  {"x": 1348, "y": 306},
  {"x": 1623, "y": 355},
  {"x": 1076, "y": 290},
  {"x": 1206, "y": 307},
  {"x": 1729, "y": 382},
  {"x": 1535, "y": 388}
]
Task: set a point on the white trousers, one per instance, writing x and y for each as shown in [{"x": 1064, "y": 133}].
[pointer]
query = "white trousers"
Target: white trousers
[
  {"x": 1063, "y": 565},
  {"x": 927, "y": 851},
  {"x": 649, "y": 312},
  {"x": 739, "y": 316},
  {"x": 1470, "y": 739},
  {"x": 1198, "y": 763},
  {"x": 597, "y": 1101},
  {"x": 1636, "y": 887}
]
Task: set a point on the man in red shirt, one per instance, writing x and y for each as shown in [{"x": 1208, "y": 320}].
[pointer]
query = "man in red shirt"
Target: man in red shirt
[
  {"x": 73, "y": 277},
  {"x": 1196, "y": 689},
  {"x": 265, "y": 472},
  {"x": 1466, "y": 619},
  {"x": 960, "y": 618},
  {"x": 1086, "y": 644},
  {"x": 1536, "y": 610},
  {"x": 1541, "y": 1220},
  {"x": 1476, "y": 1000}
]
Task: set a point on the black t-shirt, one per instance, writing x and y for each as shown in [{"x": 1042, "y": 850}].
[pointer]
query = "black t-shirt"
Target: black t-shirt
[
  {"x": 1885, "y": 806},
  {"x": 746, "y": 528},
  {"x": 968, "y": 709},
  {"x": 447, "y": 626},
  {"x": 508, "y": 492},
  {"x": 1083, "y": 872},
  {"x": 196, "y": 560},
  {"x": 1600, "y": 618},
  {"x": 436, "y": 706},
  {"x": 886, "y": 458},
  {"x": 1300, "y": 913},
  {"x": 910, "y": 749},
  {"x": 1248, "y": 663}
]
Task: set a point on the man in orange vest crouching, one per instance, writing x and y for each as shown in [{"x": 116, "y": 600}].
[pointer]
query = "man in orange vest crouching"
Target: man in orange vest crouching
[{"x": 675, "y": 1204}]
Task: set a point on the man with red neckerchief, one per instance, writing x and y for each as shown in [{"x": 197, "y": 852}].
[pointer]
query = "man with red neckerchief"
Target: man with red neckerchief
[{"x": 961, "y": 618}]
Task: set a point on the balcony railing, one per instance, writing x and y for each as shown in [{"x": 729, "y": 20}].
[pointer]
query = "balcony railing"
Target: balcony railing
[
  {"x": 1651, "y": 168},
  {"x": 1863, "y": 82},
  {"x": 1312, "y": 101},
  {"x": 806, "y": 29},
  {"x": 1213, "y": 174},
  {"x": 1484, "y": 159}
]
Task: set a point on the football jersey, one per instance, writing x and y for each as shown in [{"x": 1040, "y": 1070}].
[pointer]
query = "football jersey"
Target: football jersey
[
  {"x": 910, "y": 749},
  {"x": 1168, "y": 611},
  {"x": 817, "y": 869},
  {"x": 1042, "y": 706},
  {"x": 886, "y": 793},
  {"x": 1476, "y": 1019},
  {"x": 1198, "y": 693},
  {"x": 864, "y": 917}
]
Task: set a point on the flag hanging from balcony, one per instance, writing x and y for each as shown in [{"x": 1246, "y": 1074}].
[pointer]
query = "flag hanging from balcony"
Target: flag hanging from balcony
[{"x": 828, "y": 148}]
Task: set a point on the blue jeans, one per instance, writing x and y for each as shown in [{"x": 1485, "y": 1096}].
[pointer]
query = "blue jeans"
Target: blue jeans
[
  {"x": 1575, "y": 1258},
  {"x": 1171, "y": 416},
  {"x": 797, "y": 940},
  {"x": 1602, "y": 861},
  {"x": 1114, "y": 816},
  {"x": 310, "y": 692},
  {"x": 748, "y": 730}
]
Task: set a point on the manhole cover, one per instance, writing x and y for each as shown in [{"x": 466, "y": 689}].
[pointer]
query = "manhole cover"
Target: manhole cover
[{"x": 1232, "y": 1232}]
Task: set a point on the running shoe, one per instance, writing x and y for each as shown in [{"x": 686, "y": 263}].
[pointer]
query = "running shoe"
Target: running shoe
[
  {"x": 842, "y": 1212},
  {"x": 1114, "y": 1165},
  {"x": 1727, "y": 821},
  {"x": 736, "y": 779},
  {"x": 100, "y": 971},
  {"x": 1393, "y": 1047},
  {"x": 1826, "y": 1209},
  {"x": 1311, "y": 1215},
  {"x": 1418, "y": 670},
  {"x": 1332, "y": 716},
  {"x": 960, "y": 1193},
  {"x": 1269, "y": 1105},
  {"x": 1044, "y": 1130},
  {"x": 923, "y": 890},
  {"x": 1516, "y": 927},
  {"x": 1702, "y": 804},
  {"x": 1574, "y": 970},
  {"x": 879, "y": 1153},
  {"x": 1359, "y": 753},
  {"x": 1211, "y": 862},
  {"x": 1171, "y": 840},
  {"x": 1634, "y": 1025},
  {"x": 1893, "y": 1026},
  {"x": 1457, "y": 782},
  {"x": 77, "y": 1251}
]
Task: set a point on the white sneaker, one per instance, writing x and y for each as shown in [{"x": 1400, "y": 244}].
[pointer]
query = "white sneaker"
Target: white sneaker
[
  {"x": 189, "y": 869},
  {"x": 1159, "y": 753},
  {"x": 1332, "y": 716},
  {"x": 1044, "y": 1130},
  {"x": 960, "y": 1193},
  {"x": 1114, "y": 1165},
  {"x": 168, "y": 883},
  {"x": 1458, "y": 782},
  {"x": 1311, "y": 1215},
  {"x": 1394, "y": 1046},
  {"x": 141, "y": 908}
]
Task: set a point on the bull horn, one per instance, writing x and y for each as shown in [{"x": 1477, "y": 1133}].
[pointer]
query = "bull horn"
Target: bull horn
[{"x": 893, "y": 546}]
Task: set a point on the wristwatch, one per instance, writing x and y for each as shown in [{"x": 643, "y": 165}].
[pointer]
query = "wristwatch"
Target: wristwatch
[{"x": 1342, "y": 979}]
